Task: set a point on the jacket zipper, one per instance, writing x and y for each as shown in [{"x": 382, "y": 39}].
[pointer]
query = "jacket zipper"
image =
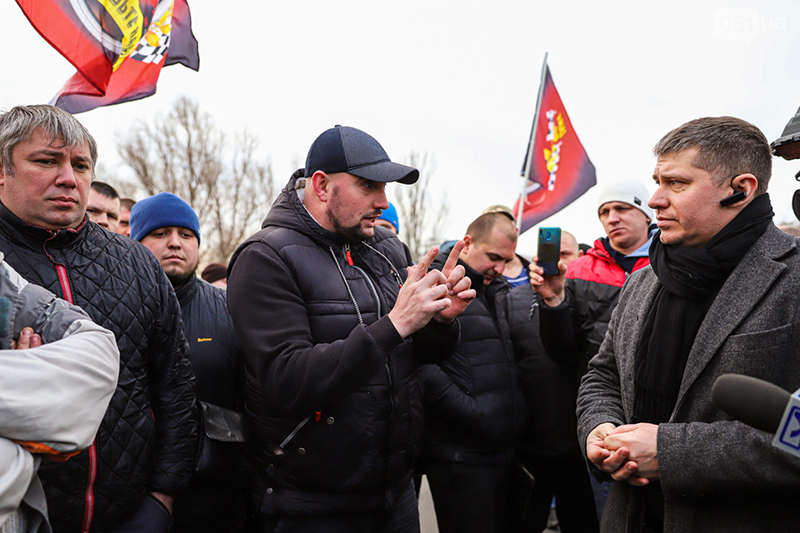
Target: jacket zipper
[
  {"x": 377, "y": 297},
  {"x": 88, "y": 515},
  {"x": 291, "y": 435},
  {"x": 371, "y": 286}
]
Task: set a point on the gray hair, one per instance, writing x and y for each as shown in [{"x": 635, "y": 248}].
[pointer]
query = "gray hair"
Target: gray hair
[
  {"x": 20, "y": 123},
  {"x": 726, "y": 147}
]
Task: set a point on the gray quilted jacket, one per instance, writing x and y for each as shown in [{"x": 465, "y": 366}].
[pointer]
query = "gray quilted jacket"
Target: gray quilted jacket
[
  {"x": 148, "y": 438},
  {"x": 39, "y": 389}
]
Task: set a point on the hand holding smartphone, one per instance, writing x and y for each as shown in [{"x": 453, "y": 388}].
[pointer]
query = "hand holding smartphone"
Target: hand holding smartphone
[{"x": 549, "y": 250}]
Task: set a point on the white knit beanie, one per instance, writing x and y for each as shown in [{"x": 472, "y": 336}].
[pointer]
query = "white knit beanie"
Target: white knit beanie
[{"x": 631, "y": 192}]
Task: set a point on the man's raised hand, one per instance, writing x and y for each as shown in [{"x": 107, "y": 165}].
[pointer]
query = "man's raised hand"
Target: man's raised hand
[
  {"x": 422, "y": 296},
  {"x": 550, "y": 288},
  {"x": 458, "y": 287}
]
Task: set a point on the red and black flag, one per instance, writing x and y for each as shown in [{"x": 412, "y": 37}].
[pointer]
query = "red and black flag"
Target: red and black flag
[
  {"x": 118, "y": 46},
  {"x": 557, "y": 168}
]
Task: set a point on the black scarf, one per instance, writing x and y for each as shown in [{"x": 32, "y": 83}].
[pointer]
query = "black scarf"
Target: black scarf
[{"x": 691, "y": 279}]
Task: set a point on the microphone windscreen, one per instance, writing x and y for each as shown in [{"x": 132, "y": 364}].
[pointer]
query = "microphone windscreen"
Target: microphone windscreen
[{"x": 755, "y": 402}]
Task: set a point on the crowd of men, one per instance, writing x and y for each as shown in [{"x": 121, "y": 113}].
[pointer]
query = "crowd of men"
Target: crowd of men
[{"x": 307, "y": 385}]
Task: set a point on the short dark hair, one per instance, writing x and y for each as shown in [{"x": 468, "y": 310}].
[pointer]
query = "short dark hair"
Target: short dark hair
[
  {"x": 105, "y": 189},
  {"x": 481, "y": 228},
  {"x": 726, "y": 147},
  {"x": 127, "y": 203}
]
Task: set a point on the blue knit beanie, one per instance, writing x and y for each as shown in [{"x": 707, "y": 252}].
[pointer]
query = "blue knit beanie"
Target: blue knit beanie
[
  {"x": 390, "y": 216},
  {"x": 162, "y": 210}
]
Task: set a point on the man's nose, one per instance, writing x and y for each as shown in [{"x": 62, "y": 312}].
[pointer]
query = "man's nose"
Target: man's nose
[
  {"x": 381, "y": 202},
  {"x": 66, "y": 176},
  {"x": 658, "y": 200},
  {"x": 102, "y": 219}
]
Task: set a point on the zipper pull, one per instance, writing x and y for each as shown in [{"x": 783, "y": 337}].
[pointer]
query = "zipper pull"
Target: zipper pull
[{"x": 347, "y": 254}]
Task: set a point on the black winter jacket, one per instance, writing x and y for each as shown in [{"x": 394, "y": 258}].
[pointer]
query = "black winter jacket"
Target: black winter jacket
[
  {"x": 332, "y": 393},
  {"x": 147, "y": 439},
  {"x": 217, "y": 357},
  {"x": 474, "y": 408},
  {"x": 550, "y": 387},
  {"x": 218, "y": 363},
  {"x": 573, "y": 332}
]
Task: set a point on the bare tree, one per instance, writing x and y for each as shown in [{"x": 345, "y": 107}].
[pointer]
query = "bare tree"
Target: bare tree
[
  {"x": 187, "y": 154},
  {"x": 248, "y": 188},
  {"x": 422, "y": 217},
  {"x": 124, "y": 187}
]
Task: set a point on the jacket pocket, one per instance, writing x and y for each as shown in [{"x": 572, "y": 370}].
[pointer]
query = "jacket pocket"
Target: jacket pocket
[
  {"x": 759, "y": 340},
  {"x": 335, "y": 449}
]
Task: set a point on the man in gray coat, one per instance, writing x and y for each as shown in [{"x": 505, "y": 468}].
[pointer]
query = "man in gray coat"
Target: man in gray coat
[{"x": 720, "y": 296}]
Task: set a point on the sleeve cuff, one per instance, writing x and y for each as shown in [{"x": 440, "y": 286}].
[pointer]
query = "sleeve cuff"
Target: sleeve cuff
[{"x": 385, "y": 334}]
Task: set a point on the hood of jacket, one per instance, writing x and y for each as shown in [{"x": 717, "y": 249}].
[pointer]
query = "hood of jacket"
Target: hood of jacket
[{"x": 288, "y": 211}]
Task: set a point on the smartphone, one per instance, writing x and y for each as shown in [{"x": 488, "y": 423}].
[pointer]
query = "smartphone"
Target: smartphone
[{"x": 549, "y": 250}]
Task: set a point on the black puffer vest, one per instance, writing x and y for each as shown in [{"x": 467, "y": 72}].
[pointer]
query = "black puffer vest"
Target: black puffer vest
[{"x": 147, "y": 439}]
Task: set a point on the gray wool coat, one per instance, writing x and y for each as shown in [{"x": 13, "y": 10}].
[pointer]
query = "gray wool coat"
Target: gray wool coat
[{"x": 717, "y": 474}]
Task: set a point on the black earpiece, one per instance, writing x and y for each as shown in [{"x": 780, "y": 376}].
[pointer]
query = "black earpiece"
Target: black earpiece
[
  {"x": 737, "y": 196},
  {"x": 733, "y": 198}
]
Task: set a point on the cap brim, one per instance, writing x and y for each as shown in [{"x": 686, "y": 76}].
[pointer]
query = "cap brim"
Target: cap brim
[{"x": 387, "y": 172}]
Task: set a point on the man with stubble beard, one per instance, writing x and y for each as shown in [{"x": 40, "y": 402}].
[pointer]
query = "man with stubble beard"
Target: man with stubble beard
[{"x": 334, "y": 322}]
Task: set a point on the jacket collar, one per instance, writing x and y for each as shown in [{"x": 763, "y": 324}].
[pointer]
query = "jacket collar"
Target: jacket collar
[
  {"x": 475, "y": 276},
  {"x": 28, "y": 232},
  {"x": 186, "y": 293},
  {"x": 288, "y": 211},
  {"x": 600, "y": 251}
]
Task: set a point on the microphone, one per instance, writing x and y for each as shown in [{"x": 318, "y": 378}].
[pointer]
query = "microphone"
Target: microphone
[
  {"x": 755, "y": 402},
  {"x": 762, "y": 405}
]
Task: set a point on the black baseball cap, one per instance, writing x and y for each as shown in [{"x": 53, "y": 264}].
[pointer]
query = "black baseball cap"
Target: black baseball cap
[{"x": 345, "y": 149}]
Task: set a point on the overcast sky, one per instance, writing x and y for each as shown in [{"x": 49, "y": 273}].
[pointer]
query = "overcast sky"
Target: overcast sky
[{"x": 459, "y": 80}]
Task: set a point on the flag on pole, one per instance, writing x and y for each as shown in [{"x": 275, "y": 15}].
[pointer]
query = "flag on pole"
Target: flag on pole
[
  {"x": 557, "y": 169},
  {"x": 118, "y": 46}
]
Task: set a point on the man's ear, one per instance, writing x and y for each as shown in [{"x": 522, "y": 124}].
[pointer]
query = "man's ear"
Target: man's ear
[
  {"x": 321, "y": 185},
  {"x": 744, "y": 190},
  {"x": 746, "y": 183},
  {"x": 467, "y": 243}
]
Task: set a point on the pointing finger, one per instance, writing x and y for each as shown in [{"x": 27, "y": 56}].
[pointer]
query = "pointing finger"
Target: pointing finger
[
  {"x": 452, "y": 259},
  {"x": 455, "y": 276},
  {"x": 421, "y": 268}
]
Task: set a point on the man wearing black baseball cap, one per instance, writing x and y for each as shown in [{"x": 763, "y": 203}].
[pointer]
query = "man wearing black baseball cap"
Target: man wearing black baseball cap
[{"x": 334, "y": 321}]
